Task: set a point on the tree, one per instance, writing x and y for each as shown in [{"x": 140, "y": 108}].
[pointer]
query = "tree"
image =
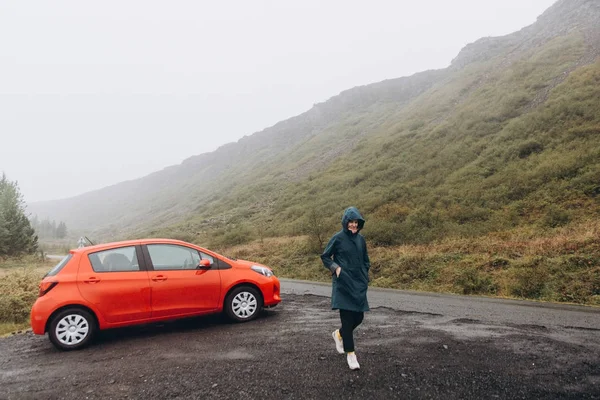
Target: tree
[
  {"x": 16, "y": 234},
  {"x": 316, "y": 228},
  {"x": 46, "y": 229},
  {"x": 61, "y": 230},
  {"x": 3, "y": 236}
]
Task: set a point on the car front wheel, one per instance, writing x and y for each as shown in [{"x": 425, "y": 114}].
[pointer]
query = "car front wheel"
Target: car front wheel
[
  {"x": 243, "y": 304},
  {"x": 71, "y": 329}
]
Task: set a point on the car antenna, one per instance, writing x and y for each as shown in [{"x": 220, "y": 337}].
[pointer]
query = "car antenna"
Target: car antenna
[{"x": 88, "y": 239}]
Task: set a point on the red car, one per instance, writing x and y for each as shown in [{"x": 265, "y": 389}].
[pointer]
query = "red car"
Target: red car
[{"x": 139, "y": 281}]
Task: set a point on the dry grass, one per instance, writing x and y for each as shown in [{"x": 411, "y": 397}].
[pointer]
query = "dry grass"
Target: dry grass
[
  {"x": 562, "y": 265},
  {"x": 8, "y": 328},
  {"x": 519, "y": 242}
]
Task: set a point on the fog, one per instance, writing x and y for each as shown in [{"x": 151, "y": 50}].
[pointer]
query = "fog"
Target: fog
[{"x": 96, "y": 93}]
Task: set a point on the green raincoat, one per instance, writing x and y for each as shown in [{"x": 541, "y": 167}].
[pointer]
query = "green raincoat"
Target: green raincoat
[{"x": 349, "y": 251}]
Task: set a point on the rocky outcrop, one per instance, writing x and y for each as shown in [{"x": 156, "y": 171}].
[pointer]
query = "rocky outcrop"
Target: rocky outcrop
[{"x": 564, "y": 17}]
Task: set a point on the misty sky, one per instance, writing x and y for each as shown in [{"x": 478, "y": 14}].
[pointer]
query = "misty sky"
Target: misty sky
[{"x": 95, "y": 93}]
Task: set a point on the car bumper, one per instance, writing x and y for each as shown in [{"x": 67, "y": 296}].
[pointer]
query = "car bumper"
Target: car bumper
[
  {"x": 271, "y": 293},
  {"x": 39, "y": 316}
]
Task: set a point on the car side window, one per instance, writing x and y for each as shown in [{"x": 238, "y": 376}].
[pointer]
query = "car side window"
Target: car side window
[
  {"x": 167, "y": 257},
  {"x": 115, "y": 260}
]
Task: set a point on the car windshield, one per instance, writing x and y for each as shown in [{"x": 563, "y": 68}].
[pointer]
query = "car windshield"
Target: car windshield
[{"x": 59, "y": 266}]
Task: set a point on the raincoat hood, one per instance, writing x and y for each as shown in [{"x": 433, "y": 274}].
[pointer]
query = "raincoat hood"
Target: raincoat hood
[{"x": 350, "y": 214}]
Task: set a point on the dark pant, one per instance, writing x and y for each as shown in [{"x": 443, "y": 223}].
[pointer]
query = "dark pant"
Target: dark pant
[{"x": 350, "y": 320}]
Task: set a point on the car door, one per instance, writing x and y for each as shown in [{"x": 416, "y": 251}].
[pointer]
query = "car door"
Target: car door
[
  {"x": 115, "y": 283},
  {"x": 179, "y": 286}
]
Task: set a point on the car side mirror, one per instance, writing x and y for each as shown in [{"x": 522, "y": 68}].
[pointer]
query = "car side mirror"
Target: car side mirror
[{"x": 204, "y": 264}]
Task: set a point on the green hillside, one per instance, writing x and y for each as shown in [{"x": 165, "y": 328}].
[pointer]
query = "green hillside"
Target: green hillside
[{"x": 481, "y": 152}]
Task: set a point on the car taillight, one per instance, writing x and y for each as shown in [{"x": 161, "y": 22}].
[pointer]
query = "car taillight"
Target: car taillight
[{"x": 45, "y": 287}]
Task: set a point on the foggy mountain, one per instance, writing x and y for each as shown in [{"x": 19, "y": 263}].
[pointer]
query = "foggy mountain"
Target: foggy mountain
[{"x": 512, "y": 124}]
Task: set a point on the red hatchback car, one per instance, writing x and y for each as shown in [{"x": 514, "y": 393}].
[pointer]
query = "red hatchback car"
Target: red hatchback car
[{"x": 139, "y": 281}]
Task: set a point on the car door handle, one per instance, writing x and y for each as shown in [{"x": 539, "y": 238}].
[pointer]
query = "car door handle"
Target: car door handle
[
  {"x": 159, "y": 278},
  {"x": 93, "y": 279}
]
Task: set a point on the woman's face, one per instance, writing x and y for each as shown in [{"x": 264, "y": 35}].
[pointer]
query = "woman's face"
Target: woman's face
[{"x": 353, "y": 226}]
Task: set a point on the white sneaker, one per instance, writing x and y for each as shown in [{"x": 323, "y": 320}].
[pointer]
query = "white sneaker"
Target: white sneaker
[
  {"x": 339, "y": 345},
  {"x": 352, "y": 362}
]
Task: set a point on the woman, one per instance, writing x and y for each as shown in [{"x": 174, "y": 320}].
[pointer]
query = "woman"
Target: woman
[{"x": 350, "y": 279}]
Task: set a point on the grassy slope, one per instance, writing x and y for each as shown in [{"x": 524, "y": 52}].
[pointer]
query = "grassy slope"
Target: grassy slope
[{"x": 472, "y": 156}]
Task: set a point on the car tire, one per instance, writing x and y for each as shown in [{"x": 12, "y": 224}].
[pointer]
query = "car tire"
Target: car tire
[
  {"x": 72, "y": 328},
  {"x": 243, "y": 304}
]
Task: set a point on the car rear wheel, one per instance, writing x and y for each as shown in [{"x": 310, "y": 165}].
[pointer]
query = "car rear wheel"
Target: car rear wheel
[
  {"x": 71, "y": 329},
  {"x": 243, "y": 304}
]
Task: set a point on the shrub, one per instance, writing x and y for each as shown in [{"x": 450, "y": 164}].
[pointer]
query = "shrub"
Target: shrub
[
  {"x": 465, "y": 214},
  {"x": 529, "y": 281},
  {"x": 582, "y": 287},
  {"x": 316, "y": 227},
  {"x": 422, "y": 227},
  {"x": 580, "y": 262},
  {"x": 472, "y": 281},
  {"x": 236, "y": 237},
  {"x": 498, "y": 263},
  {"x": 18, "y": 292},
  {"x": 555, "y": 217},
  {"x": 383, "y": 233},
  {"x": 530, "y": 147}
]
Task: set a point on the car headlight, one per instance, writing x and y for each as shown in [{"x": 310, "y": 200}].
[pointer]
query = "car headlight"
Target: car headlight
[{"x": 262, "y": 270}]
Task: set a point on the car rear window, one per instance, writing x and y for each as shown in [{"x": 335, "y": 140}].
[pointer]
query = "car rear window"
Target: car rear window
[
  {"x": 115, "y": 260},
  {"x": 60, "y": 265}
]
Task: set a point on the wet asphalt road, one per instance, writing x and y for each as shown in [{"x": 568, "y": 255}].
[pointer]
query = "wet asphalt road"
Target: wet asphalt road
[
  {"x": 411, "y": 346},
  {"x": 484, "y": 309}
]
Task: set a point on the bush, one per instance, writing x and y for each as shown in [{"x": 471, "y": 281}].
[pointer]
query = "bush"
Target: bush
[
  {"x": 529, "y": 282},
  {"x": 231, "y": 235},
  {"x": 555, "y": 217},
  {"x": 236, "y": 237},
  {"x": 18, "y": 292},
  {"x": 498, "y": 263},
  {"x": 422, "y": 227},
  {"x": 465, "y": 214},
  {"x": 580, "y": 262},
  {"x": 530, "y": 147},
  {"x": 383, "y": 233},
  {"x": 473, "y": 281},
  {"x": 582, "y": 287},
  {"x": 316, "y": 227}
]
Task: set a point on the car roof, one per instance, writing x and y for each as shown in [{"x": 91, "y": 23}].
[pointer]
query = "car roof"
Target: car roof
[{"x": 123, "y": 243}]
